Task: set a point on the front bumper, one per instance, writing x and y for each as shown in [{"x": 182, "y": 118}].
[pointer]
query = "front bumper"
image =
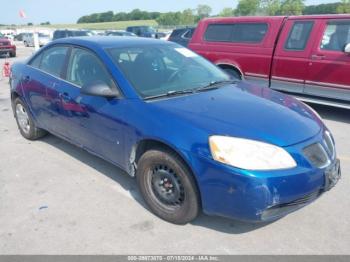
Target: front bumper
[{"x": 258, "y": 196}]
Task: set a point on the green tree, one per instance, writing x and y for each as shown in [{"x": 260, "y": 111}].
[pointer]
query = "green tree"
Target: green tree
[
  {"x": 170, "y": 18},
  {"x": 106, "y": 16},
  {"x": 292, "y": 7},
  {"x": 270, "y": 7},
  {"x": 121, "y": 16},
  {"x": 227, "y": 11},
  {"x": 203, "y": 11},
  {"x": 344, "y": 7},
  {"x": 187, "y": 17},
  {"x": 330, "y": 8},
  {"x": 247, "y": 7}
]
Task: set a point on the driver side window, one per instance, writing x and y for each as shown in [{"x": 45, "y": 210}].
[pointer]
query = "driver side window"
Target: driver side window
[
  {"x": 336, "y": 36},
  {"x": 85, "y": 68}
]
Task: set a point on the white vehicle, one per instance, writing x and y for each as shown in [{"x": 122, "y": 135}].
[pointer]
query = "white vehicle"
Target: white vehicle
[{"x": 28, "y": 39}]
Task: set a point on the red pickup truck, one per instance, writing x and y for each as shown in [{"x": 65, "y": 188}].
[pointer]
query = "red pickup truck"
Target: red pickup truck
[
  {"x": 308, "y": 56},
  {"x": 6, "y": 46}
]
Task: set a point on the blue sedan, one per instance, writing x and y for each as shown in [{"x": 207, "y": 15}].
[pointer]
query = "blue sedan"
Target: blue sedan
[{"x": 194, "y": 138}]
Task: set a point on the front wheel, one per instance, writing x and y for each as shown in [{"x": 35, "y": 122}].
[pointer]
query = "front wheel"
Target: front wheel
[
  {"x": 167, "y": 186},
  {"x": 233, "y": 73},
  {"x": 25, "y": 121}
]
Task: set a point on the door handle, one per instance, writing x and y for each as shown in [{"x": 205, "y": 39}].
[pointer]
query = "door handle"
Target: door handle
[
  {"x": 64, "y": 96},
  {"x": 26, "y": 79},
  {"x": 317, "y": 57}
]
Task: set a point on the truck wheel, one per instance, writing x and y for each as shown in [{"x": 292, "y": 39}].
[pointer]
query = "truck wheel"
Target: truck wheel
[
  {"x": 25, "y": 121},
  {"x": 13, "y": 54},
  {"x": 167, "y": 186},
  {"x": 232, "y": 72}
]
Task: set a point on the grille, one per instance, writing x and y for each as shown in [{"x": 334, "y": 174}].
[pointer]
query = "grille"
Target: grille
[
  {"x": 301, "y": 201},
  {"x": 317, "y": 155}
]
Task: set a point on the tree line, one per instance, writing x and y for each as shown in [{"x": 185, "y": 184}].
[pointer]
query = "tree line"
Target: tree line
[
  {"x": 244, "y": 7},
  {"x": 285, "y": 7}
]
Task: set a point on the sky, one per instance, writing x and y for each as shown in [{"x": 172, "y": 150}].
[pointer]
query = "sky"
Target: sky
[{"x": 68, "y": 11}]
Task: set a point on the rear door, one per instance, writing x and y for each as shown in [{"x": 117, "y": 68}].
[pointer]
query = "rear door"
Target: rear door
[
  {"x": 329, "y": 70},
  {"x": 291, "y": 60},
  {"x": 40, "y": 79}
]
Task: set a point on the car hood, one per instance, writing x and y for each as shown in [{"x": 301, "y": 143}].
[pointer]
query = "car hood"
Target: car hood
[{"x": 246, "y": 111}]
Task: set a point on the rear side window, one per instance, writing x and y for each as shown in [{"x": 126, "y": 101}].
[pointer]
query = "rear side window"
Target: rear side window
[
  {"x": 336, "y": 36},
  {"x": 59, "y": 34},
  {"x": 53, "y": 60},
  {"x": 177, "y": 32},
  {"x": 299, "y": 35},
  {"x": 236, "y": 33},
  {"x": 188, "y": 34}
]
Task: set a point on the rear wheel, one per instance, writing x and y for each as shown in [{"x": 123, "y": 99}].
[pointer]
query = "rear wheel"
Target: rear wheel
[
  {"x": 25, "y": 122},
  {"x": 13, "y": 54},
  {"x": 167, "y": 186}
]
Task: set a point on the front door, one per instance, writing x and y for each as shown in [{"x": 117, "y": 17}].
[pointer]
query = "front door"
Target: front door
[
  {"x": 291, "y": 60},
  {"x": 329, "y": 70},
  {"x": 95, "y": 121}
]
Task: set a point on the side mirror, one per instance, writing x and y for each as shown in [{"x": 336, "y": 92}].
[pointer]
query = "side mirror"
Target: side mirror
[
  {"x": 99, "y": 88},
  {"x": 347, "y": 48}
]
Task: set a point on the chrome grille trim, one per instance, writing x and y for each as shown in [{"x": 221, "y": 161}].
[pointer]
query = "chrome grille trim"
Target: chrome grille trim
[{"x": 329, "y": 143}]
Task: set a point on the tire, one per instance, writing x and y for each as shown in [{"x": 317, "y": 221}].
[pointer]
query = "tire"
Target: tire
[
  {"x": 182, "y": 204},
  {"x": 13, "y": 54},
  {"x": 232, "y": 72},
  {"x": 27, "y": 126}
]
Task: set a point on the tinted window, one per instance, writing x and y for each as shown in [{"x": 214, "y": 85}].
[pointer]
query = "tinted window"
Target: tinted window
[
  {"x": 80, "y": 33},
  {"x": 85, "y": 68},
  {"x": 336, "y": 36},
  {"x": 299, "y": 35},
  {"x": 53, "y": 60},
  {"x": 59, "y": 34},
  {"x": 188, "y": 34},
  {"x": 177, "y": 32},
  {"x": 237, "y": 33},
  {"x": 219, "y": 33}
]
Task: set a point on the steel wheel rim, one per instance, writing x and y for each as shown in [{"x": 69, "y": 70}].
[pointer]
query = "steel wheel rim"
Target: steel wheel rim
[
  {"x": 166, "y": 187},
  {"x": 22, "y": 118}
]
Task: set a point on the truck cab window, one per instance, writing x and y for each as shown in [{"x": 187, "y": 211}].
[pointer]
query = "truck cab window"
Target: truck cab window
[
  {"x": 336, "y": 36},
  {"x": 299, "y": 35}
]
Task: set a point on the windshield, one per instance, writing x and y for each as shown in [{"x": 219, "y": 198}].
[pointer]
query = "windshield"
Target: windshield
[{"x": 159, "y": 69}]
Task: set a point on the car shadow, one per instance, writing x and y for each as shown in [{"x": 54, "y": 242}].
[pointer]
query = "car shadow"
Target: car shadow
[
  {"x": 332, "y": 113},
  {"x": 128, "y": 183}
]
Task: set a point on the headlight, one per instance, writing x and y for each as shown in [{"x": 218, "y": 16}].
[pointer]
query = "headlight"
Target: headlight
[{"x": 249, "y": 154}]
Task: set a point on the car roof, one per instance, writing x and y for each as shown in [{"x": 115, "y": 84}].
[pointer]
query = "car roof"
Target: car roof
[{"x": 109, "y": 41}]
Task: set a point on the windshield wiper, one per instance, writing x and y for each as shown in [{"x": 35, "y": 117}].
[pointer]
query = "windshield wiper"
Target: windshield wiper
[
  {"x": 171, "y": 93},
  {"x": 215, "y": 85}
]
